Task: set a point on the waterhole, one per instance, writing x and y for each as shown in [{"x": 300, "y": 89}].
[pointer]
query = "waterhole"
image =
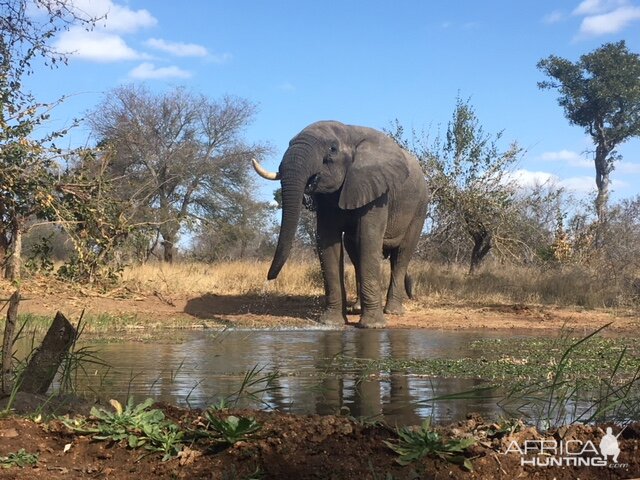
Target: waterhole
[{"x": 298, "y": 371}]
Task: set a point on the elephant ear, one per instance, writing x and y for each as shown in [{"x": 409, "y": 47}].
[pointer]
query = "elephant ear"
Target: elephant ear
[{"x": 378, "y": 166}]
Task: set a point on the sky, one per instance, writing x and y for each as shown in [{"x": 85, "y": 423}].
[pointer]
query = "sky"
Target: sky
[{"x": 360, "y": 62}]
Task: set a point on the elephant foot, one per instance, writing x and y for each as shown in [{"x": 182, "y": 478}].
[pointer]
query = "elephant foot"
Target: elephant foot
[
  {"x": 373, "y": 319},
  {"x": 394, "y": 308},
  {"x": 333, "y": 318},
  {"x": 355, "y": 309}
]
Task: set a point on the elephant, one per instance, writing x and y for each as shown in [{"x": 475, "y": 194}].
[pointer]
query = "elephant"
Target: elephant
[{"x": 370, "y": 196}]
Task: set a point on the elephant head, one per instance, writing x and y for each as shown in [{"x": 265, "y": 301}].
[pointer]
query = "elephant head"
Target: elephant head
[{"x": 360, "y": 163}]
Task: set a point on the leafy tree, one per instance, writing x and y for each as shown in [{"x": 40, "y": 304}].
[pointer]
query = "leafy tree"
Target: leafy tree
[
  {"x": 601, "y": 93},
  {"x": 27, "y": 164},
  {"x": 473, "y": 195},
  {"x": 26, "y": 176},
  {"x": 179, "y": 157},
  {"x": 94, "y": 221}
]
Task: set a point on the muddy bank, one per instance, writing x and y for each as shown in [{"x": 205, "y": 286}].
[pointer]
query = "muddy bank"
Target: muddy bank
[
  {"x": 317, "y": 447},
  {"x": 269, "y": 311}
]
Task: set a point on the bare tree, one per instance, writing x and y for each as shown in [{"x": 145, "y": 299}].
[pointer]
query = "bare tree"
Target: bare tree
[{"x": 180, "y": 157}]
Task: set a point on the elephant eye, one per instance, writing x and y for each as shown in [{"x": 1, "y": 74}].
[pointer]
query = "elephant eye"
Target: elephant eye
[{"x": 333, "y": 148}]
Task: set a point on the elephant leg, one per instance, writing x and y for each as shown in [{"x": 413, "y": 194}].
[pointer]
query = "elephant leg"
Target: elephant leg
[
  {"x": 370, "y": 233},
  {"x": 329, "y": 241},
  {"x": 352, "y": 250},
  {"x": 394, "y": 292},
  {"x": 400, "y": 258}
]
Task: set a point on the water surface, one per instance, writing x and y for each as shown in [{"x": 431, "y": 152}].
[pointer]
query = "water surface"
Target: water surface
[{"x": 207, "y": 366}]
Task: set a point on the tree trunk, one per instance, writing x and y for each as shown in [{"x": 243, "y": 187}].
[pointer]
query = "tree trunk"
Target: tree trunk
[
  {"x": 3, "y": 255},
  {"x": 7, "y": 342},
  {"x": 481, "y": 247},
  {"x": 167, "y": 251},
  {"x": 13, "y": 275},
  {"x": 44, "y": 363},
  {"x": 4, "y": 242},
  {"x": 169, "y": 232},
  {"x": 604, "y": 166},
  {"x": 14, "y": 262}
]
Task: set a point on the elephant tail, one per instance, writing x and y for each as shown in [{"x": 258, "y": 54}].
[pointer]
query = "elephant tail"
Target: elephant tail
[{"x": 408, "y": 285}]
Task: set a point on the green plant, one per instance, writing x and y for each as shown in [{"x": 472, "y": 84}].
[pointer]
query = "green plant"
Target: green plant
[
  {"x": 165, "y": 437},
  {"x": 232, "y": 429},
  {"x": 585, "y": 384},
  {"x": 116, "y": 426},
  {"x": 139, "y": 425},
  {"x": 39, "y": 259},
  {"x": 221, "y": 405},
  {"x": 254, "y": 385},
  {"x": 504, "y": 427},
  {"x": 415, "y": 443},
  {"x": 20, "y": 459}
]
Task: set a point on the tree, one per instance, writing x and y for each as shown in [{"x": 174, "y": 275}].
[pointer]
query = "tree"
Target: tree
[
  {"x": 473, "y": 194},
  {"x": 28, "y": 26},
  {"x": 601, "y": 93},
  {"x": 238, "y": 234},
  {"x": 27, "y": 166},
  {"x": 26, "y": 163},
  {"x": 179, "y": 157}
]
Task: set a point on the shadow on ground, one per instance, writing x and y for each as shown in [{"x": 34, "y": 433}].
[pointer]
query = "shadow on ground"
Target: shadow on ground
[{"x": 209, "y": 306}]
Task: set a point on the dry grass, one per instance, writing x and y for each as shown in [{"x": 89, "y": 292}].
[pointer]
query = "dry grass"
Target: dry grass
[
  {"x": 225, "y": 278},
  {"x": 499, "y": 284},
  {"x": 434, "y": 284}
]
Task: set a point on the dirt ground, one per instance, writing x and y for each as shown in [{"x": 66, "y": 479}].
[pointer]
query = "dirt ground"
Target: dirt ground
[
  {"x": 300, "y": 447},
  {"x": 269, "y": 311}
]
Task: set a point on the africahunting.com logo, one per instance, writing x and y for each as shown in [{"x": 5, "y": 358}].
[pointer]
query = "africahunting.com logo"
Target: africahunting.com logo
[{"x": 569, "y": 453}]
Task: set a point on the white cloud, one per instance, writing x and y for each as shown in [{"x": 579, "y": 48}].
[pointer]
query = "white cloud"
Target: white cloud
[
  {"x": 178, "y": 49},
  {"x": 627, "y": 167},
  {"x": 594, "y": 7},
  {"x": 571, "y": 158},
  {"x": 104, "y": 43},
  {"x": 611, "y": 22},
  {"x": 119, "y": 18},
  {"x": 603, "y": 17},
  {"x": 148, "y": 71},
  {"x": 529, "y": 179},
  {"x": 96, "y": 46},
  {"x": 582, "y": 184}
]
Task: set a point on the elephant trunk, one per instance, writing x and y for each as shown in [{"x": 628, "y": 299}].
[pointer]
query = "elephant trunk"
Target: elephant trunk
[{"x": 295, "y": 172}]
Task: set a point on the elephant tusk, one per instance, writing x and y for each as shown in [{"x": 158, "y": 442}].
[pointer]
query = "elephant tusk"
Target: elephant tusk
[{"x": 264, "y": 173}]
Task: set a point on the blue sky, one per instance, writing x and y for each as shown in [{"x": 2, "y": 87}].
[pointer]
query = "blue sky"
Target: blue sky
[{"x": 360, "y": 62}]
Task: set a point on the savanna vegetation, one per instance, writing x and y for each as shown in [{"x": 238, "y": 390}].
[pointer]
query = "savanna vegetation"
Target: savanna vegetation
[{"x": 163, "y": 205}]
